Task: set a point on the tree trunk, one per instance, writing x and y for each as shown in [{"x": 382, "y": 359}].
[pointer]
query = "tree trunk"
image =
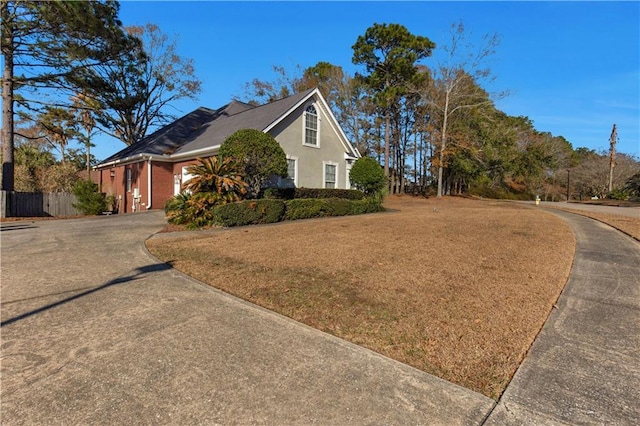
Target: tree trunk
[
  {"x": 387, "y": 130},
  {"x": 612, "y": 155},
  {"x": 443, "y": 143},
  {"x": 415, "y": 162},
  {"x": 7, "y": 101},
  {"x": 89, "y": 161}
]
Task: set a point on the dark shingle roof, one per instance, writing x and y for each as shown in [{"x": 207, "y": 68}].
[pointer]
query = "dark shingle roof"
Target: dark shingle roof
[
  {"x": 258, "y": 118},
  {"x": 205, "y": 128}
]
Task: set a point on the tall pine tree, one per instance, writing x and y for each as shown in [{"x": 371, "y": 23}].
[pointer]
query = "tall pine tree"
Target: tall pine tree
[{"x": 44, "y": 46}]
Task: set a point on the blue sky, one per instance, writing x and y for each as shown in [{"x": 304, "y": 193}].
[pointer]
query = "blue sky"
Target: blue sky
[{"x": 571, "y": 67}]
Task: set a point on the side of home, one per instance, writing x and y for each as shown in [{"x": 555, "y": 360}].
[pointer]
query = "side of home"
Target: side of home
[{"x": 145, "y": 175}]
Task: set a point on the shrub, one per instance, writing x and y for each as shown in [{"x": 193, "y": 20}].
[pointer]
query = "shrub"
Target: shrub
[
  {"x": 632, "y": 187},
  {"x": 249, "y": 212},
  {"x": 368, "y": 176},
  {"x": 193, "y": 210},
  {"x": 367, "y": 205},
  {"x": 300, "y": 208},
  {"x": 619, "y": 194},
  {"x": 338, "y": 207},
  {"x": 260, "y": 154},
  {"x": 89, "y": 200},
  {"x": 177, "y": 209},
  {"x": 218, "y": 175},
  {"x": 279, "y": 193},
  {"x": 303, "y": 208},
  {"x": 291, "y": 193}
]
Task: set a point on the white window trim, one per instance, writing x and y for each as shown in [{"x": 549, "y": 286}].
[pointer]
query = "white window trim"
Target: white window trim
[
  {"x": 324, "y": 173},
  {"x": 295, "y": 168},
  {"x": 348, "y": 173},
  {"x": 177, "y": 184},
  {"x": 128, "y": 178},
  {"x": 304, "y": 125},
  {"x": 186, "y": 177}
]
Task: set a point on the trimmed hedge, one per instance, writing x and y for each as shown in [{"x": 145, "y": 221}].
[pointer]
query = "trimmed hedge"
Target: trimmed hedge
[
  {"x": 249, "y": 212},
  {"x": 294, "y": 193},
  {"x": 253, "y": 212},
  {"x": 321, "y": 207}
]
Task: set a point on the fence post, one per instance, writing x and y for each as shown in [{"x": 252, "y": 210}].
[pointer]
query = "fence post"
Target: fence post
[
  {"x": 7, "y": 204},
  {"x": 3, "y": 204}
]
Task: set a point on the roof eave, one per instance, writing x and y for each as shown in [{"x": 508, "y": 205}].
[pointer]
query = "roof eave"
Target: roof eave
[
  {"x": 195, "y": 153},
  {"x": 131, "y": 159}
]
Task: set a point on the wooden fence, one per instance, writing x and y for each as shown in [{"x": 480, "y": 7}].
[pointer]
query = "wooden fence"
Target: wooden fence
[{"x": 35, "y": 204}]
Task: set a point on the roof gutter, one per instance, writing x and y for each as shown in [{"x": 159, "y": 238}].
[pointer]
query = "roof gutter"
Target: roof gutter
[
  {"x": 196, "y": 152},
  {"x": 133, "y": 159}
]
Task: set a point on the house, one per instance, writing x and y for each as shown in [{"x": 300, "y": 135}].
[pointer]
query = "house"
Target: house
[{"x": 145, "y": 175}]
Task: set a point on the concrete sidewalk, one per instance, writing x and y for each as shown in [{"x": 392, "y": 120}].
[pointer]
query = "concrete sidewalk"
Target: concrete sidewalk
[
  {"x": 584, "y": 367},
  {"x": 95, "y": 331}
]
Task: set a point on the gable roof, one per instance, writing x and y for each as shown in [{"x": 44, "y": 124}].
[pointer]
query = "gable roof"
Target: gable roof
[
  {"x": 258, "y": 118},
  {"x": 205, "y": 129}
]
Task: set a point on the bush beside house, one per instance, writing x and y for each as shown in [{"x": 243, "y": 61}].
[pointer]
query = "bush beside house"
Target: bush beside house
[
  {"x": 253, "y": 212},
  {"x": 249, "y": 212},
  {"x": 214, "y": 194},
  {"x": 260, "y": 155},
  {"x": 368, "y": 176},
  {"x": 90, "y": 200},
  {"x": 291, "y": 193}
]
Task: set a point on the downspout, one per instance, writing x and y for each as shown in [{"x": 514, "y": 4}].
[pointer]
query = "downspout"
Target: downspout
[{"x": 149, "y": 183}]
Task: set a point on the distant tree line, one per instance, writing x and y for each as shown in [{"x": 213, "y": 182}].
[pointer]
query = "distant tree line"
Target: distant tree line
[
  {"x": 435, "y": 128},
  {"x": 71, "y": 69}
]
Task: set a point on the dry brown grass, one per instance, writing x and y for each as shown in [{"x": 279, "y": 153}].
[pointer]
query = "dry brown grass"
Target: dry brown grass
[
  {"x": 628, "y": 225},
  {"x": 455, "y": 287}
]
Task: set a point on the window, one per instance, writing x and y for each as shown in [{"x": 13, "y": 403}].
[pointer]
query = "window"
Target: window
[
  {"x": 128, "y": 172},
  {"x": 186, "y": 176},
  {"x": 311, "y": 126},
  {"x": 330, "y": 172},
  {"x": 291, "y": 170}
]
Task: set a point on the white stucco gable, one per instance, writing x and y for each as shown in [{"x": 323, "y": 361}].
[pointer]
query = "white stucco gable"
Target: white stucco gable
[{"x": 316, "y": 97}]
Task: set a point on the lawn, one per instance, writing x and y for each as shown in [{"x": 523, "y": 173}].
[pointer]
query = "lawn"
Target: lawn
[
  {"x": 455, "y": 287},
  {"x": 628, "y": 225}
]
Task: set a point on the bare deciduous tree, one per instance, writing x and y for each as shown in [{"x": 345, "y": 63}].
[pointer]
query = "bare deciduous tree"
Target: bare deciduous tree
[{"x": 456, "y": 83}]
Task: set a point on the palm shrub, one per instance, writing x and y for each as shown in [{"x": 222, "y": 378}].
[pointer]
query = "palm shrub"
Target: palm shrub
[
  {"x": 215, "y": 181},
  {"x": 217, "y": 175},
  {"x": 177, "y": 209}
]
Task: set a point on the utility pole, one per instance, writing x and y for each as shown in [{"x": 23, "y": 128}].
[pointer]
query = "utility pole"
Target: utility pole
[
  {"x": 568, "y": 183},
  {"x": 612, "y": 155}
]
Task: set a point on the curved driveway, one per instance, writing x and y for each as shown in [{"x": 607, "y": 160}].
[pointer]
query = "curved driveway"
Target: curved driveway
[
  {"x": 584, "y": 366},
  {"x": 96, "y": 331}
]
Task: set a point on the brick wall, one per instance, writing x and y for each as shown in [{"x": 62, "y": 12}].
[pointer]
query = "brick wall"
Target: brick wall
[{"x": 161, "y": 184}]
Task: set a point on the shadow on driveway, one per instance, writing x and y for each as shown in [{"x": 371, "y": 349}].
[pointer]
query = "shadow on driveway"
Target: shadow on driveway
[{"x": 137, "y": 273}]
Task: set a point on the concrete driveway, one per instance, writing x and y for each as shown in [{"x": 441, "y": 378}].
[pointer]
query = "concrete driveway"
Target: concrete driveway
[
  {"x": 584, "y": 366},
  {"x": 96, "y": 331},
  {"x": 593, "y": 208}
]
